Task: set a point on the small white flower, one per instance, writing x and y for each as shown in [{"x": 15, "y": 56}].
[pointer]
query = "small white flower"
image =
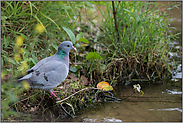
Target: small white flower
[{"x": 137, "y": 87}]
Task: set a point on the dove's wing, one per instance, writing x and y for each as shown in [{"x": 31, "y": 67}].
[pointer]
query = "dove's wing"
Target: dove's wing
[
  {"x": 47, "y": 75},
  {"x": 40, "y": 63}
]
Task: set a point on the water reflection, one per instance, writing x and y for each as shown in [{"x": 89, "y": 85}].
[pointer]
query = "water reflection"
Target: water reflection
[
  {"x": 153, "y": 106},
  {"x": 177, "y": 74},
  {"x": 101, "y": 120},
  {"x": 167, "y": 109},
  {"x": 174, "y": 91}
]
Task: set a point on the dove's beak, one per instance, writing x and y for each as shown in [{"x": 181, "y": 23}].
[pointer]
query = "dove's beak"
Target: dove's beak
[{"x": 73, "y": 48}]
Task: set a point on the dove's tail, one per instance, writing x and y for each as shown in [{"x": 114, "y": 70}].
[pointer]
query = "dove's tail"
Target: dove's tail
[{"x": 22, "y": 77}]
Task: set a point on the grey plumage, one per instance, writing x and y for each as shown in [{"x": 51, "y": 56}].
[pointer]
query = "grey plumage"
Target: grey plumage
[{"x": 51, "y": 71}]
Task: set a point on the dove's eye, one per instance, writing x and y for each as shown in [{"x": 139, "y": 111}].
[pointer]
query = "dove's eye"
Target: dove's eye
[{"x": 67, "y": 45}]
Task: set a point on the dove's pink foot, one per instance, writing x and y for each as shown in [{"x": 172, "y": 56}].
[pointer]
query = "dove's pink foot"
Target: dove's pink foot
[{"x": 53, "y": 94}]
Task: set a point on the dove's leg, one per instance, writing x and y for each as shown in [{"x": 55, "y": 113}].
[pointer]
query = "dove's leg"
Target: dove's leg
[{"x": 53, "y": 94}]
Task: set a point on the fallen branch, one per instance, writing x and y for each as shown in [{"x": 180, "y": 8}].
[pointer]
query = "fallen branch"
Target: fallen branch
[{"x": 77, "y": 92}]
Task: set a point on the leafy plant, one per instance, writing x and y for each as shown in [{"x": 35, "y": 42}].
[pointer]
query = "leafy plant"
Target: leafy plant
[{"x": 136, "y": 35}]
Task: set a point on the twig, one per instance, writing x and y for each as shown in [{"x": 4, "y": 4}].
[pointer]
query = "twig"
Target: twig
[
  {"x": 115, "y": 20},
  {"x": 64, "y": 111},
  {"x": 76, "y": 93}
]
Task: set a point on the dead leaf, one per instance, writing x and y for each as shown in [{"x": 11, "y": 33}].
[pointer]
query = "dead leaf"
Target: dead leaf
[
  {"x": 73, "y": 77},
  {"x": 83, "y": 78},
  {"x": 104, "y": 86}
]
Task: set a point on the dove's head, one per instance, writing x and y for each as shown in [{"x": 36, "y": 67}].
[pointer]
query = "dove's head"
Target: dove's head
[{"x": 64, "y": 48}]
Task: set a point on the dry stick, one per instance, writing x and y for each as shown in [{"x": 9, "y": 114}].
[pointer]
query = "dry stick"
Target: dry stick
[
  {"x": 76, "y": 93},
  {"x": 115, "y": 20},
  {"x": 68, "y": 98},
  {"x": 64, "y": 111}
]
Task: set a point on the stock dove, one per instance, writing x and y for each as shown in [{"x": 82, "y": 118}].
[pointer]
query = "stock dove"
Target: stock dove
[{"x": 51, "y": 71}]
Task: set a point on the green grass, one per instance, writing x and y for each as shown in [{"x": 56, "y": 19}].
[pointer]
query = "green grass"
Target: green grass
[{"x": 139, "y": 37}]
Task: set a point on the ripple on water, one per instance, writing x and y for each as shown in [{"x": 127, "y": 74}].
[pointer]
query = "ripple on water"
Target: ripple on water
[
  {"x": 167, "y": 109},
  {"x": 101, "y": 120}
]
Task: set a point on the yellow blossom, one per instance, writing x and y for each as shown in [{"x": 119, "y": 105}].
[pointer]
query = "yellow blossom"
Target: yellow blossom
[
  {"x": 82, "y": 100},
  {"x": 26, "y": 85},
  {"x": 19, "y": 41},
  {"x": 2, "y": 75},
  {"x": 39, "y": 28},
  {"x": 24, "y": 66},
  {"x": 21, "y": 51},
  {"x": 17, "y": 57}
]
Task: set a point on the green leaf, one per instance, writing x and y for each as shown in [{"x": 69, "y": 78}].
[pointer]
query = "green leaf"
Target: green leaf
[
  {"x": 79, "y": 67},
  {"x": 128, "y": 11},
  {"x": 73, "y": 69},
  {"x": 26, "y": 51},
  {"x": 34, "y": 58},
  {"x": 84, "y": 40},
  {"x": 71, "y": 34},
  {"x": 2, "y": 63},
  {"x": 3, "y": 17},
  {"x": 142, "y": 92},
  {"x": 79, "y": 36},
  {"x": 25, "y": 37},
  {"x": 93, "y": 55},
  {"x": 11, "y": 61},
  {"x": 9, "y": 70}
]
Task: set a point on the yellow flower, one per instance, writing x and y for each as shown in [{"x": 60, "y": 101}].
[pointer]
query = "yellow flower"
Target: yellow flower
[
  {"x": 17, "y": 57},
  {"x": 82, "y": 100},
  {"x": 39, "y": 28},
  {"x": 25, "y": 66},
  {"x": 19, "y": 41},
  {"x": 2, "y": 75},
  {"x": 132, "y": 10},
  {"x": 21, "y": 51},
  {"x": 26, "y": 85}
]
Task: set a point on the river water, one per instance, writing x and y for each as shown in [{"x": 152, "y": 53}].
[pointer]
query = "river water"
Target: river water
[{"x": 162, "y": 101}]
